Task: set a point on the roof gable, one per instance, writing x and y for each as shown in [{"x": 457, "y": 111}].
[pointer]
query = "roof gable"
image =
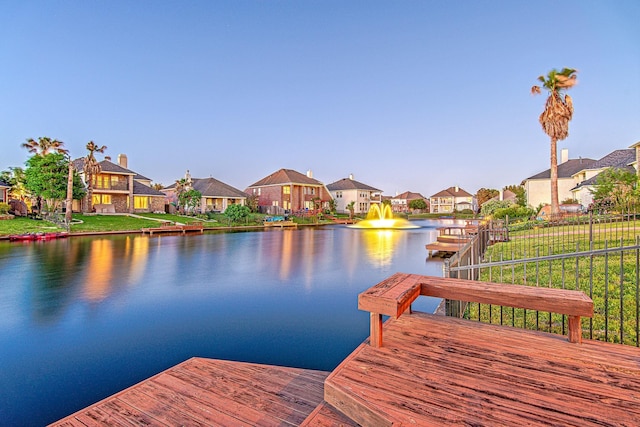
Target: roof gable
[
  {"x": 617, "y": 158},
  {"x": 566, "y": 169},
  {"x": 286, "y": 176},
  {"x": 408, "y": 195},
  {"x": 106, "y": 166},
  {"x": 139, "y": 189},
  {"x": 349, "y": 184},
  {"x": 211, "y": 187},
  {"x": 451, "y": 192}
]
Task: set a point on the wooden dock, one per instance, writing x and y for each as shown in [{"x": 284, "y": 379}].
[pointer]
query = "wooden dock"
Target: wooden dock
[
  {"x": 206, "y": 392},
  {"x": 280, "y": 224},
  {"x": 430, "y": 370},
  {"x": 175, "y": 228}
]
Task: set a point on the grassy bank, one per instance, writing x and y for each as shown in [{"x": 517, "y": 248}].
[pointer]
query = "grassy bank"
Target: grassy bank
[{"x": 610, "y": 280}]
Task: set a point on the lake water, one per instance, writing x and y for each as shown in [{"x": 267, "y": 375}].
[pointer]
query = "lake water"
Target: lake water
[{"x": 82, "y": 318}]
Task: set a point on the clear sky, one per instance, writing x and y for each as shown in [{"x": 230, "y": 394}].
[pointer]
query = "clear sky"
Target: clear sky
[{"x": 406, "y": 95}]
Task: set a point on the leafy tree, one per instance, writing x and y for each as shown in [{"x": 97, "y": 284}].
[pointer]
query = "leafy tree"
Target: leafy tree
[
  {"x": 157, "y": 186},
  {"x": 419, "y": 204},
  {"x": 44, "y": 145},
  {"x": 15, "y": 177},
  {"x": 485, "y": 194},
  {"x": 190, "y": 199},
  {"x": 555, "y": 118},
  {"x": 91, "y": 168},
  {"x": 236, "y": 212},
  {"x": 46, "y": 178},
  {"x": 520, "y": 192},
  {"x": 488, "y": 208},
  {"x": 616, "y": 188},
  {"x": 333, "y": 205},
  {"x": 252, "y": 203}
]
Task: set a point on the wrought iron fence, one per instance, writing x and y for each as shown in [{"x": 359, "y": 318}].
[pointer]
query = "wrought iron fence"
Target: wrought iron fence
[{"x": 599, "y": 255}]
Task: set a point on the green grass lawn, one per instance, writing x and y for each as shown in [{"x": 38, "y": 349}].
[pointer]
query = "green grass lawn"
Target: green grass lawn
[
  {"x": 19, "y": 225},
  {"x": 609, "y": 280}
]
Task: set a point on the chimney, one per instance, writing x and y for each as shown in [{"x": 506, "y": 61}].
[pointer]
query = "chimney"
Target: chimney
[
  {"x": 108, "y": 158},
  {"x": 501, "y": 195},
  {"x": 564, "y": 155},
  {"x": 309, "y": 173},
  {"x": 351, "y": 176},
  {"x": 122, "y": 161},
  {"x": 457, "y": 188}
]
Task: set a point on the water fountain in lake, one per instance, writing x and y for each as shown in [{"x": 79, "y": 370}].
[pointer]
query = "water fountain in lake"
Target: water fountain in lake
[{"x": 382, "y": 217}]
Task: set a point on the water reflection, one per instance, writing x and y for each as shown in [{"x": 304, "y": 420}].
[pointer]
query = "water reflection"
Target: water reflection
[
  {"x": 380, "y": 245},
  {"x": 99, "y": 271},
  {"x": 83, "y": 318}
]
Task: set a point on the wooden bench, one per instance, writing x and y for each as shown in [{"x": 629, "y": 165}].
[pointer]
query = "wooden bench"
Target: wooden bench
[{"x": 394, "y": 295}]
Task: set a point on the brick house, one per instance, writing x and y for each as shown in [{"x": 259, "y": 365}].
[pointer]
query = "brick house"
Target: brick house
[
  {"x": 348, "y": 190},
  {"x": 117, "y": 189},
  {"x": 400, "y": 203},
  {"x": 287, "y": 190},
  {"x": 216, "y": 195}
]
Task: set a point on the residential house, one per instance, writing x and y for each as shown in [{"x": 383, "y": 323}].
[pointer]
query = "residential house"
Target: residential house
[
  {"x": 587, "y": 178},
  {"x": 216, "y": 195},
  {"x": 538, "y": 186},
  {"x": 451, "y": 200},
  {"x": 400, "y": 203},
  {"x": 117, "y": 189},
  {"x": 349, "y": 190},
  {"x": 287, "y": 190},
  {"x": 505, "y": 195},
  {"x": 4, "y": 192}
]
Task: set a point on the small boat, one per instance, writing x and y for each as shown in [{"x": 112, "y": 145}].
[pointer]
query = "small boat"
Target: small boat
[
  {"x": 22, "y": 237},
  {"x": 30, "y": 237},
  {"x": 52, "y": 235}
]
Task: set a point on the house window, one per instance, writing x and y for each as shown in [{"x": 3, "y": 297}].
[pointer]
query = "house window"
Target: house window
[
  {"x": 275, "y": 203},
  {"x": 114, "y": 181},
  {"x": 101, "y": 199},
  {"x": 338, "y": 194},
  {"x": 286, "y": 189},
  {"x": 286, "y": 204},
  {"x": 140, "y": 202}
]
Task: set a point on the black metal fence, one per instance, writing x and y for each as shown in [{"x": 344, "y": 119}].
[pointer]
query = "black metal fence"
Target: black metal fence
[{"x": 597, "y": 254}]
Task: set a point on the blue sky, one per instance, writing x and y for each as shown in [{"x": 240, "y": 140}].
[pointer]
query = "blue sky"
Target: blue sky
[{"x": 405, "y": 95}]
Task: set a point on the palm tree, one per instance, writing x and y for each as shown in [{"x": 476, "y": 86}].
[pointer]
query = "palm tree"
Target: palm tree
[
  {"x": 351, "y": 206},
  {"x": 555, "y": 118},
  {"x": 44, "y": 145},
  {"x": 91, "y": 168}
]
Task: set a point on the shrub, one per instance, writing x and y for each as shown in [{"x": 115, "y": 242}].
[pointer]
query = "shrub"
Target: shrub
[
  {"x": 4, "y": 208},
  {"x": 514, "y": 212}
]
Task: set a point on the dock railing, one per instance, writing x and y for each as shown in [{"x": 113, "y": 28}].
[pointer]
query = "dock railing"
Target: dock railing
[{"x": 599, "y": 255}]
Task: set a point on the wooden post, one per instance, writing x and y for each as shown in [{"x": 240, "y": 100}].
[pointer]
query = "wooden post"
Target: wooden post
[
  {"x": 375, "y": 338},
  {"x": 575, "y": 329}
]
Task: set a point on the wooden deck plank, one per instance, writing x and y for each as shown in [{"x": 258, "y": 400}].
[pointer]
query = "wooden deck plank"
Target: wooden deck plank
[
  {"x": 326, "y": 416},
  {"x": 437, "y": 370},
  {"x": 211, "y": 392}
]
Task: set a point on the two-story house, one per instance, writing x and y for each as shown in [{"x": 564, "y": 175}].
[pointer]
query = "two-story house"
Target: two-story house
[
  {"x": 117, "y": 189},
  {"x": 538, "y": 186},
  {"x": 587, "y": 178},
  {"x": 347, "y": 190},
  {"x": 451, "y": 200},
  {"x": 4, "y": 192},
  {"x": 216, "y": 195},
  {"x": 400, "y": 202},
  {"x": 287, "y": 190}
]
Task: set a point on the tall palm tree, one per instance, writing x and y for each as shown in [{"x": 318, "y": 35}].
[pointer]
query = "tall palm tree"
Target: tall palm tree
[
  {"x": 44, "y": 145},
  {"x": 555, "y": 118},
  {"x": 91, "y": 168}
]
